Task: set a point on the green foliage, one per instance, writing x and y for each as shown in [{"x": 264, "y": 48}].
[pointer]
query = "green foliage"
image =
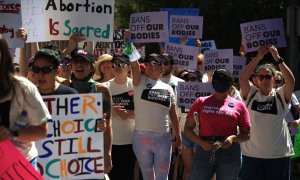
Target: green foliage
[{"x": 222, "y": 18}]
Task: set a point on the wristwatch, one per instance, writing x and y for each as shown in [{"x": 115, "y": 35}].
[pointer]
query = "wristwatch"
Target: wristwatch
[{"x": 14, "y": 133}]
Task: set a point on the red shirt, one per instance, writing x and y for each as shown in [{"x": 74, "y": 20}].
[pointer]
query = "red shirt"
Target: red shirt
[{"x": 220, "y": 117}]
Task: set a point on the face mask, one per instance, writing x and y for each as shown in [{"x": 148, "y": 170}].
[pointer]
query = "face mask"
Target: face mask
[{"x": 221, "y": 86}]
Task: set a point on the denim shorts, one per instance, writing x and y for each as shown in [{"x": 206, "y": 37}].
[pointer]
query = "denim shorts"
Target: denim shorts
[{"x": 188, "y": 144}]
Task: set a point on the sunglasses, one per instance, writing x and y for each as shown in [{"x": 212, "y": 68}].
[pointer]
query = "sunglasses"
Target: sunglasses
[
  {"x": 154, "y": 63},
  {"x": 262, "y": 77},
  {"x": 118, "y": 65},
  {"x": 66, "y": 64},
  {"x": 44, "y": 70}
]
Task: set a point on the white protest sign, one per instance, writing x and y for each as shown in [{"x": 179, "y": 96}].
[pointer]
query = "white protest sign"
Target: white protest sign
[
  {"x": 73, "y": 148},
  {"x": 208, "y": 45},
  {"x": 34, "y": 20},
  {"x": 263, "y": 32},
  {"x": 239, "y": 64},
  {"x": 149, "y": 27},
  {"x": 10, "y": 22},
  {"x": 15, "y": 55},
  {"x": 218, "y": 59},
  {"x": 187, "y": 26},
  {"x": 184, "y": 56},
  {"x": 188, "y": 92}
]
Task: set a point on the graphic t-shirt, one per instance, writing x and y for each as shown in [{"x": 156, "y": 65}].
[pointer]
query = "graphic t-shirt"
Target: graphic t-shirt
[
  {"x": 153, "y": 100},
  {"x": 219, "y": 117}
]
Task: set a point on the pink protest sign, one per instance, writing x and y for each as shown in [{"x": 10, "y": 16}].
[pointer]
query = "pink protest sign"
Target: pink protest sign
[{"x": 13, "y": 165}]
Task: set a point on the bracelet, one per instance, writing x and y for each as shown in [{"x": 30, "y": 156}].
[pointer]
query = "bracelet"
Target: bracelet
[{"x": 281, "y": 60}]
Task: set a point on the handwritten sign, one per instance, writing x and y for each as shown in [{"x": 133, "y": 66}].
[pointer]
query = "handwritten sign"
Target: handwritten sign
[
  {"x": 14, "y": 165},
  {"x": 208, "y": 45},
  {"x": 147, "y": 27},
  {"x": 263, "y": 32},
  {"x": 189, "y": 26},
  {"x": 73, "y": 148},
  {"x": 188, "y": 92},
  {"x": 217, "y": 59},
  {"x": 184, "y": 56},
  {"x": 10, "y": 22},
  {"x": 93, "y": 19}
]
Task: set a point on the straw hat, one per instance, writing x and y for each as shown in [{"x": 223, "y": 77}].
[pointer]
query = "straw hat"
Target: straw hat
[{"x": 101, "y": 59}]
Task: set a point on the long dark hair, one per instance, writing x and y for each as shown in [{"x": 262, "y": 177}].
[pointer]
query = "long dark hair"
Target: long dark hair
[{"x": 7, "y": 69}]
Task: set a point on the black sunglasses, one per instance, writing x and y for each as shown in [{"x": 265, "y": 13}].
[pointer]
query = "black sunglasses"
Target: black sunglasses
[
  {"x": 119, "y": 65},
  {"x": 262, "y": 77},
  {"x": 44, "y": 70},
  {"x": 66, "y": 64}
]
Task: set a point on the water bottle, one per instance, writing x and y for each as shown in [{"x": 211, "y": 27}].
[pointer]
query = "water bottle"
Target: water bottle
[
  {"x": 21, "y": 121},
  {"x": 128, "y": 47}
]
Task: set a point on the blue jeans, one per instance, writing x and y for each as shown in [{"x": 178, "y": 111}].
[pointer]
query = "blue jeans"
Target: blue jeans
[
  {"x": 227, "y": 164},
  {"x": 265, "y": 169},
  {"x": 188, "y": 144}
]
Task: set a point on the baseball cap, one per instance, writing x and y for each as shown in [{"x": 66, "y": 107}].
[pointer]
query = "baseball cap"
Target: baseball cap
[
  {"x": 82, "y": 53},
  {"x": 121, "y": 57},
  {"x": 154, "y": 57},
  {"x": 49, "y": 54},
  {"x": 168, "y": 58},
  {"x": 223, "y": 74}
]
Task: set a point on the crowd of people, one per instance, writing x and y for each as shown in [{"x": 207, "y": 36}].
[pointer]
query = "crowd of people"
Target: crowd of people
[{"x": 234, "y": 133}]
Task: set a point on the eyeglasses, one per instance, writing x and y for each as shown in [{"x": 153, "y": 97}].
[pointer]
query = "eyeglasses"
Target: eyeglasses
[
  {"x": 44, "y": 70},
  {"x": 154, "y": 63},
  {"x": 278, "y": 81},
  {"x": 66, "y": 64},
  {"x": 118, "y": 65},
  {"x": 262, "y": 77}
]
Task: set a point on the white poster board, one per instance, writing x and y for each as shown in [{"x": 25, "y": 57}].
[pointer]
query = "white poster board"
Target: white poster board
[
  {"x": 186, "y": 26},
  {"x": 239, "y": 64},
  {"x": 218, "y": 59},
  {"x": 10, "y": 22},
  {"x": 263, "y": 32},
  {"x": 149, "y": 27},
  {"x": 73, "y": 148},
  {"x": 208, "y": 45},
  {"x": 188, "y": 92},
  {"x": 184, "y": 56}
]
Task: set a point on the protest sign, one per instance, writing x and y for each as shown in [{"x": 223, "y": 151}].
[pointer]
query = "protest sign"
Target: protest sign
[
  {"x": 188, "y": 92},
  {"x": 93, "y": 19},
  {"x": 218, "y": 59},
  {"x": 239, "y": 64},
  {"x": 147, "y": 27},
  {"x": 73, "y": 148},
  {"x": 185, "y": 12},
  {"x": 10, "y": 22},
  {"x": 189, "y": 26},
  {"x": 208, "y": 45},
  {"x": 184, "y": 56},
  {"x": 263, "y": 32},
  {"x": 15, "y": 54},
  {"x": 14, "y": 165}
]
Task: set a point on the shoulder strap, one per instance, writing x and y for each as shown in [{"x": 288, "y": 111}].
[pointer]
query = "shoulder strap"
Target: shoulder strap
[
  {"x": 251, "y": 97},
  {"x": 280, "y": 99}
]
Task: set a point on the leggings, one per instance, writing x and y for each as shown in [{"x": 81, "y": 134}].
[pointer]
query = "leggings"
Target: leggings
[{"x": 153, "y": 152}]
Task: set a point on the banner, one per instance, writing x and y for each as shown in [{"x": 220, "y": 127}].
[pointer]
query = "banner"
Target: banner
[
  {"x": 149, "y": 27},
  {"x": 218, "y": 59},
  {"x": 13, "y": 165},
  {"x": 263, "y": 32},
  {"x": 10, "y": 22},
  {"x": 188, "y": 92},
  {"x": 189, "y": 26},
  {"x": 73, "y": 148},
  {"x": 58, "y": 19},
  {"x": 184, "y": 56}
]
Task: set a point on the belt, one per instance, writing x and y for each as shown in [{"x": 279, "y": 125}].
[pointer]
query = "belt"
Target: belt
[{"x": 213, "y": 138}]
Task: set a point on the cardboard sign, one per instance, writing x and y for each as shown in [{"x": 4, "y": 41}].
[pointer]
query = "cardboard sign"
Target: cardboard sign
[
  {"x": 188, "y": 92},
  {"x": 13, "y": 165},
  {"x": 263, "y": 32},
  {"x": 147, "y": 27},
  {"x": 73, "y": 148},
  {"x": 10, "y": 22},
  {"x": 239, "y": 64},
  {"x": 57, "y": 19},
  {"x": 217, "y": 59},
  {"x": 189, "y": 26},
  {"x": 208, "y": 45},
  {"x": 184, "y": 56},
  {"x": 184, "y": 12}
]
